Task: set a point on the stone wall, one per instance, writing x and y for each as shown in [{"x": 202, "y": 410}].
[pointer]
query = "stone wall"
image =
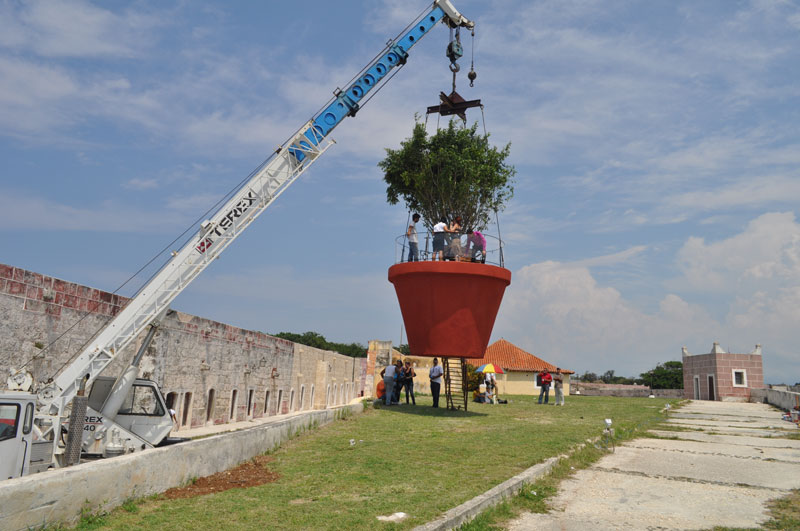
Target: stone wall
[
  {"x": 209, "y": 372},
  {"x": 622, "y": 390}
]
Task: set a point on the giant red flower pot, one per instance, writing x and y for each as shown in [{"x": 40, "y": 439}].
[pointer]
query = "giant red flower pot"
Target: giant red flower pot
[{"x": 449, "y": 308}]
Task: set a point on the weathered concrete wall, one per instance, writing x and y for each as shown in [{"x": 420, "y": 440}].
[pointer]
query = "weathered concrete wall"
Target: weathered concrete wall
[
  {"x": 379, "y": 355},
  {"x": 57, "y": 496},
  {"x": 785, "y": 400},
  {"x": 622, "y": 390},
  {"x": 210, "y": 372},
  {"x": 331, "y": 378}
]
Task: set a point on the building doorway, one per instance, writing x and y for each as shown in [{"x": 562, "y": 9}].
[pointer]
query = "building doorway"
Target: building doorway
[
  {"x": 711, "y": 393},
  {"x": 697, "y": 387},
  {"x": 210, "y": 406},
  {"x": 187, "y": 408}
]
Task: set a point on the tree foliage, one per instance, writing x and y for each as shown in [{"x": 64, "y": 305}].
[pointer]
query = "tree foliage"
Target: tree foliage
[
  {"x": 667, "y": 375},
  {"x": 474, "y": 378},
  {"x": 455, "y": 172},
  {"x": 313, "y": 339}
]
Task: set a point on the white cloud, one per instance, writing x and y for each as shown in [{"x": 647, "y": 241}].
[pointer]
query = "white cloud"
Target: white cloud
[
  {"x": 745, "y": 192},
  {"x": 36, "y": 213},
  {"x": 562, "y": 314},
  {"x": 141, "y": 184},
  {"x": 340, "y": 306},
  {"x": 74, "y": 28},
  {"x": 611, "y": 259},
  {"x": 765, "y": 254}
]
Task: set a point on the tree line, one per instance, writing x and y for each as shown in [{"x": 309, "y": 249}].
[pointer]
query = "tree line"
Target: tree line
[
  {"x": 667, "y": 375},
  {"x": 314, "y": 339}
]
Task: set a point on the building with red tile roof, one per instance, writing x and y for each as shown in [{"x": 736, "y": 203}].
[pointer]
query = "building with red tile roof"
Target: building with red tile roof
[
  {"x": 520, "y": 368},
  {"x": 512, "y": 358}
]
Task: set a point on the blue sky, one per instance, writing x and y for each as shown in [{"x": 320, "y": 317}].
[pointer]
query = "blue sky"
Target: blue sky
[{"x": 656, "y": 145}]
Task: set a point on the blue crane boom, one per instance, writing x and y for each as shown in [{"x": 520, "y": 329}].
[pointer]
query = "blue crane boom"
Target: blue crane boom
[{"x": 346, "y": 102}]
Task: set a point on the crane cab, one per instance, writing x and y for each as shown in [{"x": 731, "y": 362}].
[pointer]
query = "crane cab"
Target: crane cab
[
  {"x": 143, "y": 413},
  {"x": 16, "y": 433}
]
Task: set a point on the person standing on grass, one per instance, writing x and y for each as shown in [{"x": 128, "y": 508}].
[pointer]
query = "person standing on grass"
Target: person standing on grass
[
  {"x": 408, "y": 381},
  {"x": 398, "y": 381},
  {"x": 388, "y": 384},
  {"x": 558, "y": 385},
  {"x": 413, "y": 240},
  {"x": 547, "y": 379},
  {"x": 435, "y": 375}
]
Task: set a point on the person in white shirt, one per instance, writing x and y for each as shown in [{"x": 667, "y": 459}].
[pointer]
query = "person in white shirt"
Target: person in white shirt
[
  {"x": 413, "y": 240},
  {"x": 388, "y": 381},
  {"x": 438, "y": 240},
  {"x": 491, "y": 386},
  {"x": 435, "y": 374}
]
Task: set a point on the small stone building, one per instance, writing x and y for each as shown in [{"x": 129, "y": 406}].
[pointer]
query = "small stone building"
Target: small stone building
[
  {"x": 520, "y": 369},
  {"x": 721, "y": 375}
]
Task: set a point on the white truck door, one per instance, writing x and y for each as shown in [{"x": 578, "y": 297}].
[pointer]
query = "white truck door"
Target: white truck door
[{"x": 12, "y": 447}]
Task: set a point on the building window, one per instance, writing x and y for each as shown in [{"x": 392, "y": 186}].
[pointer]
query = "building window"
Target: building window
[
  {"x": 143, "y": 400},
  {"x": 334, "y": 394},
  {"x": 312, "y": 396},
  {"x": 291, "y": 400},
  {"x": 250, "y": 403},
  {"x": 9, "y": 420},
  {"x": 302, "y": 396},
  {"x": 266, "y": 403},
  {"x": 739, "y": 378},
  {"x": 280, "y": 402}
]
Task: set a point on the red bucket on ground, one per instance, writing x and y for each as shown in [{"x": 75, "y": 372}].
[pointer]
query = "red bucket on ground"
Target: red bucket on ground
[{"x": 449, "y": 308}]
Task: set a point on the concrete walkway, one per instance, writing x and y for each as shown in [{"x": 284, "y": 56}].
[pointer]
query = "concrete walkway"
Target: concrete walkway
[{"x": 721, "y": 473}]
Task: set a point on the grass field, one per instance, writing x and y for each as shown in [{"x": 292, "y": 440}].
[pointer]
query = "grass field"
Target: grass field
[{"x": 414, "y": 459}]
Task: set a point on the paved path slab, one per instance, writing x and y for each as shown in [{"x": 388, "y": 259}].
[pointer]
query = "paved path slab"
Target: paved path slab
[
  {"x": 697, "y": 481},
  {"x": 771, "y": 442},
  {"x": 750, "y": 424},
  {"x": 755, "y": 450},
  {"x": 619, "y": 501}
]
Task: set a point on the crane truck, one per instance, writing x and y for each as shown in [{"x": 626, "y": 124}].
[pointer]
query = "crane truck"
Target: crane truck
[{"x": 80, "y": 412}]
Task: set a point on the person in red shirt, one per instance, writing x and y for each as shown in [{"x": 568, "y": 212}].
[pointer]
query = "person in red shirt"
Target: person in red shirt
[{"x": 547, "y": 379}]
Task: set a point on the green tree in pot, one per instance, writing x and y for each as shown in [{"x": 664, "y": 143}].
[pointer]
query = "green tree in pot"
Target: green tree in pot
[{"x": 454, "y": 172}]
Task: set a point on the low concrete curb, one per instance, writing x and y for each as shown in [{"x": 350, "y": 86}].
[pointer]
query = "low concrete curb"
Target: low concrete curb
[
  {"x": 57, "y": 496},
  {"x": 468, "y": 510}
]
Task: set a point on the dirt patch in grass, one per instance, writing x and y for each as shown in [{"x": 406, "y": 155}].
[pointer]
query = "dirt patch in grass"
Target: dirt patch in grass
[{"x": 249, "y": 474}]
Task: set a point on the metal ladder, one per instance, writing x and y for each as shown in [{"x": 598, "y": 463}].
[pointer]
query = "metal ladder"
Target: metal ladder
[{"x": 455, "y": 383}]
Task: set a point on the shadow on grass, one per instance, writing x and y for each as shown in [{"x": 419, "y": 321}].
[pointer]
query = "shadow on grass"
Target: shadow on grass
[{"x": 429, "y": 411}]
